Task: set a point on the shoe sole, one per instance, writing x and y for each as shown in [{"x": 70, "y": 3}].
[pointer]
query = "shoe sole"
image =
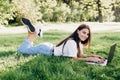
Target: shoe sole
[{"x": 28, "y": 23}]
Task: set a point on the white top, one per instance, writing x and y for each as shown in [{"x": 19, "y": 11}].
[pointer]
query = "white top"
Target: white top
[{"x": 70, "y": 49}]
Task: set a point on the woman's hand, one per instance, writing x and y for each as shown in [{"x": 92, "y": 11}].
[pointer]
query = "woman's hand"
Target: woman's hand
[{"x": 95, "y": 59}]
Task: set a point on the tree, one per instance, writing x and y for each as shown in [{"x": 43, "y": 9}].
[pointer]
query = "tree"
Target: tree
[
  {"x": 116, "y": 9},
  {"x": 100, "y": 17},
  {"x": 5, "y": 11}
]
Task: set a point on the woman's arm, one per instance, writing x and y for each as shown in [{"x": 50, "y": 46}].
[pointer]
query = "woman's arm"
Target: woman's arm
[
  {"x": 84, "y": 59},
  {"x": 90, "y": 59},
  {"x": 94, "y": 55},
  {"x": 90, "y": 55}
]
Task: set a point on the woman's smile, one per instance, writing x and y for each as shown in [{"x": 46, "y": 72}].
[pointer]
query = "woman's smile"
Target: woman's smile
[{"x": 83, "y": 34}]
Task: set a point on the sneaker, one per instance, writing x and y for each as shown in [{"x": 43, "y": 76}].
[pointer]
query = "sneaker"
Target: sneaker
[
  {"x": 29, "y": 24},
  {"x": 39, "y": 29}
]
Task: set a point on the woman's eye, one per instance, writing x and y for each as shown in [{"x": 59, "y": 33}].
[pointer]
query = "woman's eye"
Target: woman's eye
[{"x": 84, "y": 32}]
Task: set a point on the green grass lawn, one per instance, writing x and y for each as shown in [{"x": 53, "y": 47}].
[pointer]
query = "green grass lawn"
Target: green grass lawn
[{"x": 14, "y": 66}]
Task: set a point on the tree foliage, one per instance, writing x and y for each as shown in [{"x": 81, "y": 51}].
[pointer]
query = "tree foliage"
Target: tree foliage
[
  {"x": 6, "y": 11},
  {"x": 59, "y": 10}
]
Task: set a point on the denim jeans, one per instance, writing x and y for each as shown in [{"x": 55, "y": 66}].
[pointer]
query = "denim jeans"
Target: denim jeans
[{"x": 27, "y": 48}]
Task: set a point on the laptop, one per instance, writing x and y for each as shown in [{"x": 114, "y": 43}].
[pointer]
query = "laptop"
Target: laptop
[{"x": 110, "y": 56}]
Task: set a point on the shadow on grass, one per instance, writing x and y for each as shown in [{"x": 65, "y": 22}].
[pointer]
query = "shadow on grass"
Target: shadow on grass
[
  {"x": 9, "y": 53},
  {"x": 6, "y": 53}
]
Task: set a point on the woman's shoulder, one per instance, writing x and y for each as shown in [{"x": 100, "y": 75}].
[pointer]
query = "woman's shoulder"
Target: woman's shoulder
[{"x": 71, "y": 41}]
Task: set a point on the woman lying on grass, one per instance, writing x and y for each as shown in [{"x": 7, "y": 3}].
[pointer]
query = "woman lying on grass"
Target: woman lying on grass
[{"x": 71, "y": 46}]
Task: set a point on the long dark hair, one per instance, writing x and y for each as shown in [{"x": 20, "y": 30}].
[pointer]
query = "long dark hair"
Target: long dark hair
[{"x": 75, "y": 37}]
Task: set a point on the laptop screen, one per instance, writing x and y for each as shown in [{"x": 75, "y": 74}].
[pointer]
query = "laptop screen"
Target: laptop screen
[{"x": 111, "y": 53}]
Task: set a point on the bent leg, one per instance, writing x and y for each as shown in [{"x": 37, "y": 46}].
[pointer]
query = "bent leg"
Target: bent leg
[{"x": 27, "y": 48}]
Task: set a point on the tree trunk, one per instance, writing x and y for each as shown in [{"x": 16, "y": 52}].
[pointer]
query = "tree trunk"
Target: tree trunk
[{"x": 100, "y": 16}]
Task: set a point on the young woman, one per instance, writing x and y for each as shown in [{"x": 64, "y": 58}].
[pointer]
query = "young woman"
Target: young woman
[{"x": 71, "y": 46}]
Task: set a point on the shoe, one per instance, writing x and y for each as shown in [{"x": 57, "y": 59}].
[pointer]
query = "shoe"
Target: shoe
[
  {"x": 29, "y": 24},
  {"x": 39, "y": 29}
]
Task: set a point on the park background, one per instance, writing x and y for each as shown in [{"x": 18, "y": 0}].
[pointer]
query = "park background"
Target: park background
[
  {"x": 11, "y": 11},
  {"x": 58, "y": 16}
]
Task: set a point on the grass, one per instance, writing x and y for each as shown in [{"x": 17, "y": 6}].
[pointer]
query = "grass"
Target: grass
[{"x": 14, "y": 66}]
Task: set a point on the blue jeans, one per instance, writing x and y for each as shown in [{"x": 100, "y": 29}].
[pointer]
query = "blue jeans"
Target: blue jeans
[{"x": 27, "y": 48}]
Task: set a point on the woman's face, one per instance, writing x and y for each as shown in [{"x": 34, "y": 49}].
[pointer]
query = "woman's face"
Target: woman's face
[{"x": 83, "y": 34}]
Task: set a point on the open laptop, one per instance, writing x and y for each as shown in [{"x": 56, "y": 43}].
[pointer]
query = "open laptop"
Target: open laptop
[{"x": 110, "y": 56}]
